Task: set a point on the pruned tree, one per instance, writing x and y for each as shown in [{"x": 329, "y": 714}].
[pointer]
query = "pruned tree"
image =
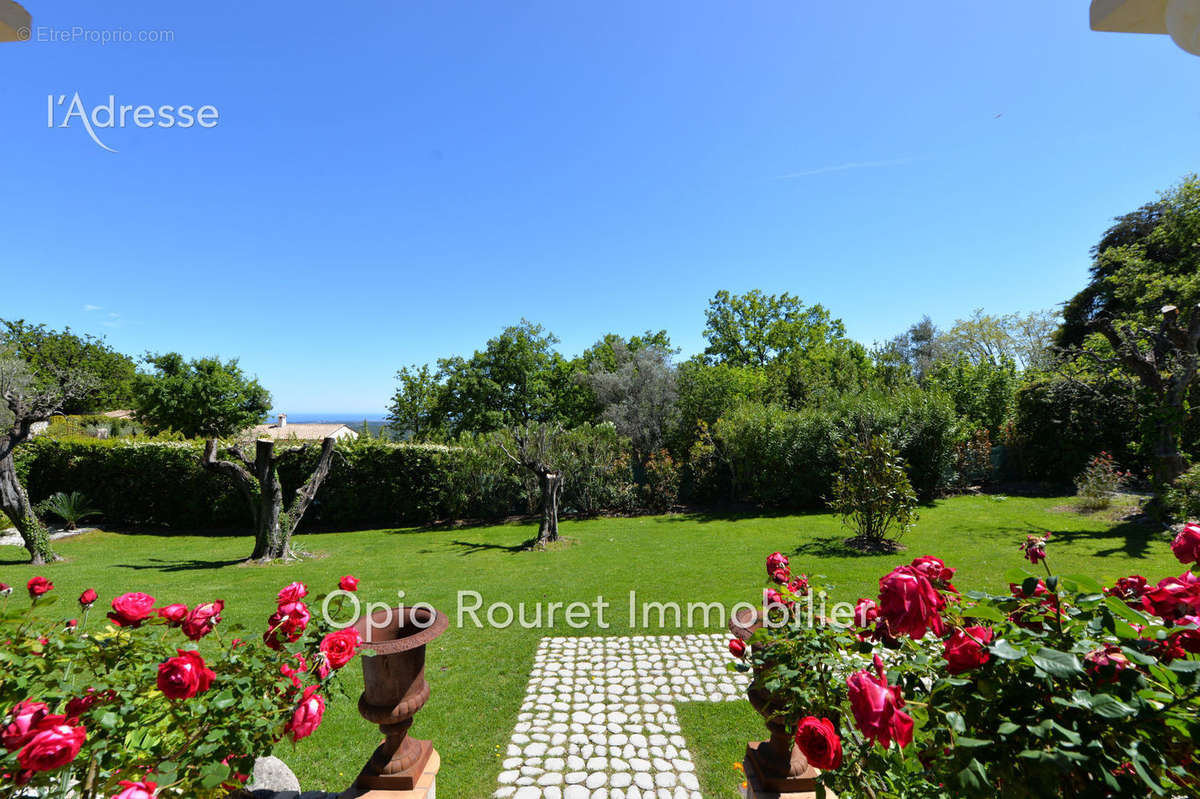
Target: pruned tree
[
  {"x": 28, "y": 400},
  {"x": 258, "y": 481},
  {"x": 1164, "y": 362},
  {"x": 533, "y": 447}
]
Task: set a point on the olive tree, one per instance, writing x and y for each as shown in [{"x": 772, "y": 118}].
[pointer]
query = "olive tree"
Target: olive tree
[
  {"x": 27, "y": 401},
  {"x": 638, "y": 394}
]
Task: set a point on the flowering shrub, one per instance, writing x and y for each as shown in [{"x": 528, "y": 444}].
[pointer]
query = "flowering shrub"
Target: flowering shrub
[
  {"x": 1058, "y": 688},
  {"x": 155, "y": 701},
  {"x": 1097, "y": 484}
]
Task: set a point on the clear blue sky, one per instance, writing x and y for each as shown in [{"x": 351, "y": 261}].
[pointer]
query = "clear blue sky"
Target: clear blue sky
[{"x": 393, "y": 181}]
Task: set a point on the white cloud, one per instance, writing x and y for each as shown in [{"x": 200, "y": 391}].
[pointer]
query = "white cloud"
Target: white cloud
[
  {"x": 90, "y": 308},
  {"x": 824, "y": 170}
]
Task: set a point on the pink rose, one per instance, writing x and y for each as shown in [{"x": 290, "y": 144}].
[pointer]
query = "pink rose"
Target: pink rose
[
  {"x": 1034, "y": 548},
  {"x": 966, "y": 649},
  {"x": 935, "y": 570},
  {"x": 877, "y": 707},
  {"x": 184, "y": 676},
  {"x": 1186, "y": 545},
  {"x": 293, "y": 593},
  {"x": 173, "y": 614},
  {"x": 38, "y": 586},
  {"x": 909, "y": 604},
  {"x": 348, "y": 583},
  {"x": 307, "y": 716},
  {"x": 52, "y": 747},
  {"x": 201, "y": 620},
  {"x": 130, "y": 610},
  {"x": 23, "y": 722},
  {"x": 137, "y": 790},
  {"x": 1173, "y": 597},
  {"x": 340, "y": 647}
]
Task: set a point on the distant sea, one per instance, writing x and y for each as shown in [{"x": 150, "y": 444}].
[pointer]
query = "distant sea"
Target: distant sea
[{"x": 374, "y": 422}]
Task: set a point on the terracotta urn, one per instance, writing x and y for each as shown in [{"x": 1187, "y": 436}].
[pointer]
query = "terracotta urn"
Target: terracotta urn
[
  {"x": 777, "y": 762},
  {"x": 394, "y": 689}
]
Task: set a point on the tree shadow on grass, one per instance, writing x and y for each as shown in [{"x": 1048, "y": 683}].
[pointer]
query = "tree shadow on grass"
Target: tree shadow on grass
[
  {"x": 1130, "y": 539},
  {"x": 475, "y": 547},
  {"x": 168, "y": 566},
  {"x": 834, "y": 546}
]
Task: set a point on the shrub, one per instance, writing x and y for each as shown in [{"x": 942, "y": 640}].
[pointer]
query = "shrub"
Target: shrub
[
  {"x": 660, "y": 493},
  {"x": 72, "y": 508},
  {"x": 872, "y": 493},
  {"x": 1058, "y": 688},
  {"x": 973, "y": 459},
  {"x": 1097, "y": 483},
  {"x": 158, "y": 695},
  {"x": 1059, "y": 424},
  {"x": 1182, "y": 499}
]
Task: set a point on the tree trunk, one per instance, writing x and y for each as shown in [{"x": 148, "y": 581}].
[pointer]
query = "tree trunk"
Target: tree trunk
[
  {"x": 15, "y": 503},
  {"x": 1169, "y": 462},
  {"x": 551, "y": 483},
  {"x": 273, "y": 524}
]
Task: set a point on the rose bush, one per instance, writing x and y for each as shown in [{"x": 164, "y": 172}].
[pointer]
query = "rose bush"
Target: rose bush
[
  {"x": 1059, "y": 688},
  {"x": 156, "y": 700}
]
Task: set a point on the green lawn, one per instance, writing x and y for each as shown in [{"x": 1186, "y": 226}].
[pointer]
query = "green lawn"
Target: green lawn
[{"x": 479, "y": 675}]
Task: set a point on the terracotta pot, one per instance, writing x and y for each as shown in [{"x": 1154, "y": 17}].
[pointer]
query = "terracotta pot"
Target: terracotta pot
[
  {"x": 394, "y": 689},
  {"x": 778, "y": 762}
]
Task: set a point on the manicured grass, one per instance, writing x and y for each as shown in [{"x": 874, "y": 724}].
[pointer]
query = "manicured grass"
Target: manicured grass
[{"x": 478, "y": 676}]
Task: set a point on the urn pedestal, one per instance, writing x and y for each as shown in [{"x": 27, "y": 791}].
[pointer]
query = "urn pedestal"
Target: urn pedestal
[
  {"x": 775, "y": 768},
  {"x": 394, "y": 689}
]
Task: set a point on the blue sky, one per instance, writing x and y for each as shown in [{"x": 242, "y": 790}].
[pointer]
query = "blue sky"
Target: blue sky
[{"x": 391, "y": 182}]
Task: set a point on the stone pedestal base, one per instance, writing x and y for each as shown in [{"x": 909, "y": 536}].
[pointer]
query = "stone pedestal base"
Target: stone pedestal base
[
  {"x": 754, "y": 786},
  {"x": 426, "y": 787}
]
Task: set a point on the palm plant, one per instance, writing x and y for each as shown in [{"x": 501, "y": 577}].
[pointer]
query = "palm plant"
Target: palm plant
[{"x": 71, "y": 508}]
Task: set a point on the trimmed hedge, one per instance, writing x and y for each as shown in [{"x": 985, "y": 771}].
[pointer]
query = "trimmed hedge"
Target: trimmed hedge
[{"x": 372, "y": 483}]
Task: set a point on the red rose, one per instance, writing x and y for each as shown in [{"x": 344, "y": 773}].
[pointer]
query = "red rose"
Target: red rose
[
  {"x": 340, "y": 647},
  {"x": 23, "y": 722},
  {"x": 909, "y": 604},
  {"x": 935, "y": 570},
  {"x": 1186, "y": 545},
  {"x": 52, "y": 747},
  {"x": 1105, "y": 664},
  {"x": 287, "y": 623},
  {"x": 88, "y": 598},
  {"x": 1129, "y": 588},
  {"x": 820, "y": 743},
  {"x": 38, "y": 586},
  {"x": 130, "y": 610},
  {"x": 184, "y": 676},
  {"x": 738, "y": 647},
  {"x": 774, "y": 599},
  {"x": 1188, "y": 640},
  {"x": 5, "y": 589},
  {"x": 173, "y": 614},
  {"x": 1034, "y": 548},
  {"x": 348, "y": 583},
  {"x": 201, "y": 620},
  {"x": 876, "y": 707},
  {"x": 781, "y": 575},
  {"x": 1174, "y": 597},
  {"x": 136, "y": 790},
  {"x": 799, "y": 585},
  {"x": 775, "y": 562},
  {"x": 78, "y": 705},
  {"x": 307, "y": 716},
  {"x": 966, "y": 649},
  {"x": 293, "y": 593}
]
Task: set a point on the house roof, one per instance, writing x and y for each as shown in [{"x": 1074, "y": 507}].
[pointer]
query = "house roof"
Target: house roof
[
  {"x": 119, "y": 414},
  {"x": 301, "y": 430}
]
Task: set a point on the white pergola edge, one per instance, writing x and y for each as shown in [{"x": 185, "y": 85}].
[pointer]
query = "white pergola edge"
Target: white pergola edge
[{"x": 1180, "y": 19}]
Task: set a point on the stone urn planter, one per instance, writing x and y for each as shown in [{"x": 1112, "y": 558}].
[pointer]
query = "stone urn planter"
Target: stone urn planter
[
  {"x": 394, "y": 689},
  {"x": 777, "y": 764}
]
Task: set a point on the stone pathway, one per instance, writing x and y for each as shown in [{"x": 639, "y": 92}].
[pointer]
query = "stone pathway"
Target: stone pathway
[{"x": 598, "y": 720}]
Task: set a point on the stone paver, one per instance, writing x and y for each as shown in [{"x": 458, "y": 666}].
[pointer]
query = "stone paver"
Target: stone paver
[{"x": 599, "y": 722}]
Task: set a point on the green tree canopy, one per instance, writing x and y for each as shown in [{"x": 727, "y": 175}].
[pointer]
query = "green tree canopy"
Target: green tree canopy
[
  {"x": 201, "y": 398},
  {"x": 413, "y": 411},
  {"x": 56, "y": 358},
  {"x": 754, "y": 328},
  {"x": 1149, "y": 258},
  {"x": 517, "y": 379}
]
